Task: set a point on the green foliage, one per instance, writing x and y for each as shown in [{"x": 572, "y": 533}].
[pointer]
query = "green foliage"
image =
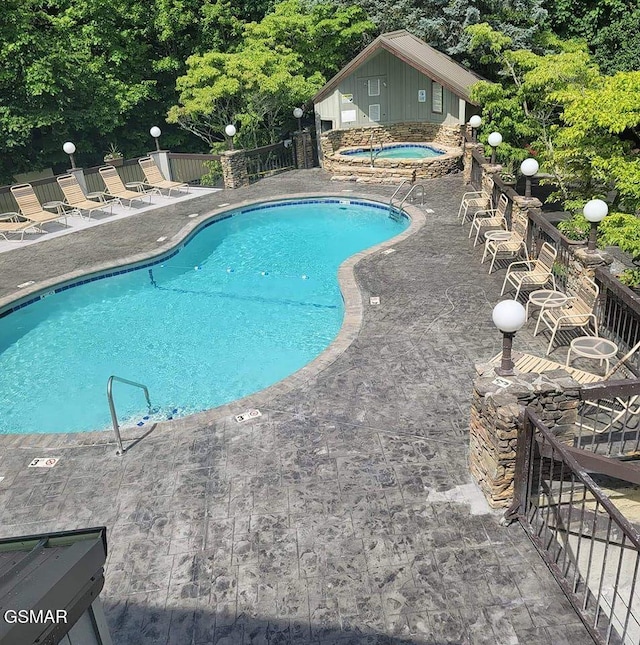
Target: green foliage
[
  {"x": 278, "y": 65},
  {"x": 213, "y": 175},
  {"x": 575, "y": 228},
  {"x": 610, "y": 27},
  {"x": 621, "y": 230},
  {"x": 444, "y": 23},
  {"x": 630, "y": 278}
]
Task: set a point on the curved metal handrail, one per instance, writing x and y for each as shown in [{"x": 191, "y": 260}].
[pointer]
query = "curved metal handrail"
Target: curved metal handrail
[
  {"x": 404, "y": 199},
  {"x": 112, "y": 407}
]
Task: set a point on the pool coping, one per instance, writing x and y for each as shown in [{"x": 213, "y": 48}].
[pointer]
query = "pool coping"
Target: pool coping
[{"x": 351, "y": 324}]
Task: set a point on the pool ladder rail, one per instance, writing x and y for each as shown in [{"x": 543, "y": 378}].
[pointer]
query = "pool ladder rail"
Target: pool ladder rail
[
  {"x": 410, "y": 193},
  {"x": 112, "y": 408}
]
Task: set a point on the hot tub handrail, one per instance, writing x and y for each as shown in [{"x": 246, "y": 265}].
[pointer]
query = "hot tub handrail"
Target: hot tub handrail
[
  {"x": 404, "y": 199},
  {"x": 112, "y": 408}
]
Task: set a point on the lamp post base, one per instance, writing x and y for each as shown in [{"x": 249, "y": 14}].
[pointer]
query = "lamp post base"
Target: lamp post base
[{"x": 506, "y": 364}]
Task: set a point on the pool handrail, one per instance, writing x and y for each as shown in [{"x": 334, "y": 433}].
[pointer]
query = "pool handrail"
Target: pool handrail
[{"x": 112, "y": 408}]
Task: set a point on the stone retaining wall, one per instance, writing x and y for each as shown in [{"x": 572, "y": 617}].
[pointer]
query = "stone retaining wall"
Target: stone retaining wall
[
  {"x": 412, "y": 132},
  {"x": 234, "y": 169},
  {"x": 496, "y": 415},
  {"x": 393, "y": 170}
]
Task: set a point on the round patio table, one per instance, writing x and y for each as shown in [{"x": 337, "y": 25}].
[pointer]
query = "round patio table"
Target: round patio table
[
  {"x": 545, "y": 299},
  {"x": 593, "y": 347}
]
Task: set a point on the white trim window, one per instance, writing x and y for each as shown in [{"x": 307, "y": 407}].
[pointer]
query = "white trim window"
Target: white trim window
[
  {"x": 374, "y": 112},
  {"x": 373, "y": 87},
  {"x": 436, "y": 97}
]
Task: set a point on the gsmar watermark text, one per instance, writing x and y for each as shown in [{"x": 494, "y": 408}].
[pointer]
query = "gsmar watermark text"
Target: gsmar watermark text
[{"x": 31, "y": 616}]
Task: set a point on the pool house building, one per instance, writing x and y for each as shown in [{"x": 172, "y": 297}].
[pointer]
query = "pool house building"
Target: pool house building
[
  {"x": 398, "y": 89},
  {"x": 397, "y": 78}
]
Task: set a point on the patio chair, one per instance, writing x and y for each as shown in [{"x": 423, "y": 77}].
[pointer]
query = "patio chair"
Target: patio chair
[
  {"x": 475, "y": 198},
  {"x": 9, "y": 225},
  {"x": 538, "y": 272},
  {"x": 511, "y": 247},
  {"x": 31, "y": 209},
  {"x": 490, "y": 218},
  {"x": 76, "y": 199},
  {"x": 115, "y": 187},
  {"x": 578, "y": 313},
  {"x": 155, "y": 179}
]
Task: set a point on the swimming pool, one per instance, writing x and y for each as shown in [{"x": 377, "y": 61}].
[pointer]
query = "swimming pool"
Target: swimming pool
[
  {"x": 246, "y": 301},
  {"x": 399, "y": 151}
]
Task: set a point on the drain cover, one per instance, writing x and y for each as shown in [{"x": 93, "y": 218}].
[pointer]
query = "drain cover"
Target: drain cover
[{"x": 374, "y": 300}]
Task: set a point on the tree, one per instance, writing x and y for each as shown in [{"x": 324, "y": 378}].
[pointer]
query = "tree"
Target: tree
[
  {"x": 526, "y": 106},
  {"x": 280, "y": 63},
  {"x": 611, "y": 28},
  {"x": 443, "y": 23}
]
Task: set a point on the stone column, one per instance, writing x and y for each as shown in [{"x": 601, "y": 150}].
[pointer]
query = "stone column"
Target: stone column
[
  {"x": 496, "y": 415},
  {"x": 303, "y": 149},
  {"x": 234, "y": 169},
  {"x": 488, "y": 171},
  {"x": 467, "y": 160},
  {"x": 585, "y": 262}
]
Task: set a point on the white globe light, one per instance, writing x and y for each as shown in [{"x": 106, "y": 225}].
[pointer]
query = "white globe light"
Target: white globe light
[
  {"x": 509, "y": 316},
  {"x": 495, "y": 139},
  {"x": 475, "y": 121},
  {"x": 230, "y": 131},
  {"x": 69, "y": 148},
  {"x": 595, "y": 210},
  {"x": 529, "y": 167},
  {"x": 297, "y": 112},
  {"x": 155, "y": 132}
]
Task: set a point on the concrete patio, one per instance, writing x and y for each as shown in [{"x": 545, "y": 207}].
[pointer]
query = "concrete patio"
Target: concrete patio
[{"x": 346, "y": 513}]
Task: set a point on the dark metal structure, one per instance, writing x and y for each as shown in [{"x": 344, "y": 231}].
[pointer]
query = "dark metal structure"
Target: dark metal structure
[{"x": 50, "y": 586}]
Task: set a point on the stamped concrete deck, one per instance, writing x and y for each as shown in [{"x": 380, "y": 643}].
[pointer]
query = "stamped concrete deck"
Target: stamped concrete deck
[{"x": 346, "y": 513}]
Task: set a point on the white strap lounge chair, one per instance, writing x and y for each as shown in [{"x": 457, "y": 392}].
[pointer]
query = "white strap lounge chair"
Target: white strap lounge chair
[
  {"x": 156, "y": 180},
  {"x": 116, "y": 189},
  {"x": 14, "y": 225},
  {"x": 537, "y": 273},
  {"x": 490, "y": 218},
  {"x": 578, "y": 313},
  {"x": 510, "y": 248},
  {"x": 30, "y": 207},
  {"x": 76, "y": 199},
  {"x": 473, "y": 200}
]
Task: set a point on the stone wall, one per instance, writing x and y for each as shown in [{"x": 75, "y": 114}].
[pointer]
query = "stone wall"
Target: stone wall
[
  {"x": 303, "y": 146},
  {"x": 412, "y": 132},
  {"x": 496, "y": 415},
  {"x": 234, "y": 169},
  {"x": 392, "y": 171}
]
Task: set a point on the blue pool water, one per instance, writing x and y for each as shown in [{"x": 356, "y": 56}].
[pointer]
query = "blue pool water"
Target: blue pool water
[
  {"x": 246, "y": 302},
  {"x": 390, "y": 151}
]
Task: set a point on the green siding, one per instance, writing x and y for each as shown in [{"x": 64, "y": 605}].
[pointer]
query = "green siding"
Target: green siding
[{"x": 398, "y": 99}]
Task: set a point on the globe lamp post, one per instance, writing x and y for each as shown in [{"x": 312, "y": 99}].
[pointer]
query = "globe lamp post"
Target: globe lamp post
[
  {"x": 230, "y": 131},
  {"x": 297, "y": 113},
  {"x": 508, "y": 316},
  {"x": 155, "y": 132},
  {"x": 475, "y": 122},
  {"x": 529, "y": 167},
  {"x": 595, "y": 210},
  {"x": 495, "y": 139},
  {"x": 70, "y": 148}
]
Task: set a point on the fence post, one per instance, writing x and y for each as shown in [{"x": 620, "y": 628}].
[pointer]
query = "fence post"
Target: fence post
[
  {"x": 303, "y": 149},
  {"x": 78, "y": 173},
  {"x": 467, "y": 160},
  {"x": 161, "y": 157},
  {"x": 234, "y": 169}
]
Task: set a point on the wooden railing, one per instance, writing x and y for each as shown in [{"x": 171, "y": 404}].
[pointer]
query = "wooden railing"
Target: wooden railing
[
  {"x": 269, "y": 160},
  {"x": 588, "y": 545}
]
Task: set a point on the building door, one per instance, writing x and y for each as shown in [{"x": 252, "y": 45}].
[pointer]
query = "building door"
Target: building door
[{"x": 372, "y": 99}]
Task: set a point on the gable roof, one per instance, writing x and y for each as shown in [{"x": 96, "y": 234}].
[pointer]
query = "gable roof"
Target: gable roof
[{"x": 414, "y": 52}]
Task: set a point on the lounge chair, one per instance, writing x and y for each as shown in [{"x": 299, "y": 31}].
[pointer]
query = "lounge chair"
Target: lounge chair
[
  {"x": 14, "y": 224},
  {"x": 490, "y": 218},
  {"x": 579, "y": 311},
  {"x": 115, "y": 187},
  {"x": 31, "y": 209},
  {"x": 76, "y": 199},
  {"x": 155, "y": 179},
  {"x": 511, "y": 247},
  {"x": 473, "y": 199},
  {"x": 538, "y": 273}
]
